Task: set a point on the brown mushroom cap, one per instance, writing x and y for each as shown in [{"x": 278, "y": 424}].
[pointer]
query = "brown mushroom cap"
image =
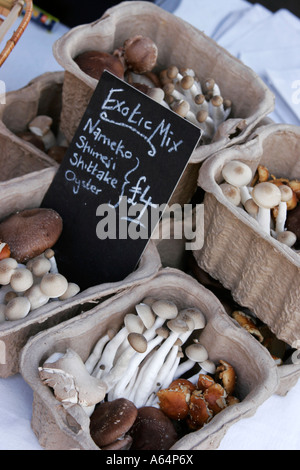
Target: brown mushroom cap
[
  {"x": 111, "y": 420},
  {"x": 140, "y": 54},
  {"x": 93, "y": 63},
  {"x": 152, "y": 430},
  {"x": 30, "y": 232}
]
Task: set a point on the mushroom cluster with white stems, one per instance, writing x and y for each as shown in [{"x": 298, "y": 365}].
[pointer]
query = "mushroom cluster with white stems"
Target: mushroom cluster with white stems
[
  {"x": 28, "y": 286},
  {"x": 201, "y": 103},
  {"x": 40, "y": 134},
  {"x": 264, "y": 197},
  {"x": 145, "y": 353}
]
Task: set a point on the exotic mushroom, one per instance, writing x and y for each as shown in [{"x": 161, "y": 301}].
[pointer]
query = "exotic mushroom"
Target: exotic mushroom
[
  {"x": 71, "y": 383},
  {"x": 140, "y": 53},
  {"x": 111, "y": 421},
  {"x": 93, "y": 63},
  {"x": 177, "y": 328},
  {"x": 30, "y": 232},
  {"x": 53, "y": 285},
  {"x": 21, "y": 280},
  {"x": 238, "y": 174},
  {"x": 266, "y": 195},
  {"x": 17, "y": 308},
  {"x": 196, "y": 353},
  {"x": 152, "y": 430},
  {"x": 7, "y": 268},
  {"x": 281, "y": 213}
]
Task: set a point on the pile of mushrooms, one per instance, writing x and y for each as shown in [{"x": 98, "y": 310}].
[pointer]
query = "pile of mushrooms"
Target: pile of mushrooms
[
  {"x": 29, "y": 277},
  {"x": 156, "y": 345},
  {"x": 40, "y": 134},
  {"x": 198, "y": 402},
  {"x": 271, "y": 201},
  {"x": 178, "y": 89}
]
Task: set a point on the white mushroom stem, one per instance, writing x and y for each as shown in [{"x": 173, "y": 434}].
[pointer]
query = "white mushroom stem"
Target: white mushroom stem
[
  {"x": 133, "y": 365},
  {"x": 93, "y": 358},
  {"x": 281, "y": 217},
  {"x": 184, "y": 367},
  {"x": 132, "y": 324},
  {"x": 70, "y": 380},
  {"x": 216, "y": 110},
  {"x": 245, "y": 194},
  {"x": 149, "y": 376},
  {"x": 116, "y": 372},
  {"x": 212, "y": 87},
  {"x": 138, "y": 376}
]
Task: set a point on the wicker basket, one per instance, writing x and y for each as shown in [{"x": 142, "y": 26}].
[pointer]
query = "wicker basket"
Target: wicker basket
[
  {"x": 178, "y": 43},
  {"x": 59, "y": 428},
  {"x": 11, "y": 10}
]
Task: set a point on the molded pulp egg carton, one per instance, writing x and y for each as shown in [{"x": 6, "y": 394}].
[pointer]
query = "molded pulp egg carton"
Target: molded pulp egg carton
[
  {"x": 43, "y": 95},
  {"x": 66, "y": 428},
  {"x": 179, "y": 44},
  {"x": 27, "y": 192},
  {"x": 261, "y": 273}
]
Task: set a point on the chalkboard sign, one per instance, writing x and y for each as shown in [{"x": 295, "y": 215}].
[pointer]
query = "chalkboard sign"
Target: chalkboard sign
[{"x": 122, "y": 165}]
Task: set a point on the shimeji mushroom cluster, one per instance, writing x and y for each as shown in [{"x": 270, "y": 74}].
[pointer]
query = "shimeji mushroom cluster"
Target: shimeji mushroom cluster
[
  {"x": 266, "y": 200},
  {"x": 26, "y": 287},
  {"x": 177, "y": 88},
  {"x": 145, "y": 355}
]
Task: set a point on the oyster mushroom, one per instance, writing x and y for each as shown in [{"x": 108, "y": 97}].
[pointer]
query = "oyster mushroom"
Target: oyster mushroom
[{"x": 67, "y": 375}]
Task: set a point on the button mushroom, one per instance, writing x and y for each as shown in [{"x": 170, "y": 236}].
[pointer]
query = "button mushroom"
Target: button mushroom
[
  {"x": 238, "y": 174},
  {"x": 140, "y": 53}
]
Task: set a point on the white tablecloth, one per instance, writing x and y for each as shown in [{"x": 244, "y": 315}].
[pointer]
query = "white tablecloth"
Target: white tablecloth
[{"x": 269, "y": 43}]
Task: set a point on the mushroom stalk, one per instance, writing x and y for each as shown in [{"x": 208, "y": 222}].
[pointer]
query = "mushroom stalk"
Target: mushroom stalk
[
  {"x": 150, "y": 374},
  {"x": 97, "y": 351}
]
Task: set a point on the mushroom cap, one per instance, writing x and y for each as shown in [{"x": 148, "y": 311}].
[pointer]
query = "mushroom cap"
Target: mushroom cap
[
  {"x": 72, "y": 290},
  {"x": 177, "y": 325},
  {"x": 146, "y": 314},
  {"x": 36, "y": 297},
  {"x": 7, "y": 268},
  {"x": 152, "y": 430},
  {"x": 140, "y": 53},
  {"x": 237, "y": 173},
  {"x": 39, "y": 265},
  {"x": 209, "y": 366},
  {"x": 21, "y": 280},
  {"x": 196, "y": 315},
  {"x": 93, "y": 63},
  {"x": 111, "y": 420},
  {"x": 232, "y": 193},
  {"x": 287, "y": 238},
  {"x": 17, "y": 308},
  {"x": 196, "y": 352},
  {"x": 286, "y": 192},
  {"x": 30, "y": 232},
  {"x": 165, "y": 309},
  {"x": 266, "y": 195},
  {"x": 133, "y": 323},
  {"x": 138, "y": 342},
  {"x": 40, "y": 125},
  {"x": 53, "y": 285}
]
